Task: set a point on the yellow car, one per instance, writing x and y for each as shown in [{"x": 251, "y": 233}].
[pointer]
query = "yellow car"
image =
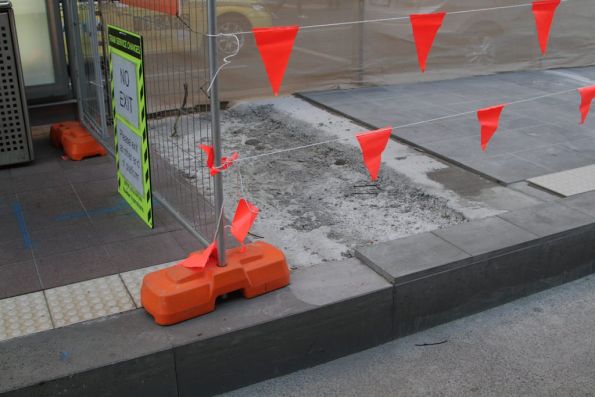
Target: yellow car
[{"x": 150, "y": 18}]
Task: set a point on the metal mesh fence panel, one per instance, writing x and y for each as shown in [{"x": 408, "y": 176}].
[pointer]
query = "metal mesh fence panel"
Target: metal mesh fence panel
[
  {"x": 176, "y": 77},
  {"x": 86, "y": 62}
]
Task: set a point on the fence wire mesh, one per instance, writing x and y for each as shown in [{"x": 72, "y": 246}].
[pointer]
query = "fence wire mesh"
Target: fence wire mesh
[{"x": 178, "y": 113}]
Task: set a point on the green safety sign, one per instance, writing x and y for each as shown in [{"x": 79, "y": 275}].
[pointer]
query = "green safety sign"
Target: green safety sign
[{"x": 130, "y": 120}]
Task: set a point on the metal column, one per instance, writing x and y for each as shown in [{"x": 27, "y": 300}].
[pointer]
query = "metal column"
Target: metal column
[{"x": 216, "y": 128}]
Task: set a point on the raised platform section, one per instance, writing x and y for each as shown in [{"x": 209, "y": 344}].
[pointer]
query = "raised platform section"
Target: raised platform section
[
  {"x": 328, "y": 311},
  {"x": 535, "y": 137}
]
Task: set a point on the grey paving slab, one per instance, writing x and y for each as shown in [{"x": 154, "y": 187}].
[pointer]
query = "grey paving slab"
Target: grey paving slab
[
  {"x": 14, "y": 251},
  {"x": 44, "y": 207},
  {"x": 10, "y": 229},
  {"x": 94, "y": 173},
  {"x": 62, "y": 237},
  {"x": 584, "y": 147},
  {"x": 104, "y": 353},
  {"x": 411, "y": 257},
  {"x": 506, "y": 168},
  {"x": 543, "y": 134},
  {"x": 584, "y": 203},
  {"x": 552, "y": 134},
  {"x": 144, "y": 251},
  {"x": 532, "y": 191},
  {"x": 475, "y": 188},
  {"x": 548, "y": 219},
  {"x": 555, "y": 157},
  {"x": 74, "y": 266},
  {"x": 484, "y": 236},
  {"x": 18, "y": 279},
  {"x": 438, "y": 131}
]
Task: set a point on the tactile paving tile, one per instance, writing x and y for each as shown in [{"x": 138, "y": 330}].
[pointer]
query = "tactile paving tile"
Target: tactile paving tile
[
  {"x": 23, "y": 315},
  {"x": 568, "y": 183},
  {"x": 133, "y": 279},
  {"x": 88, "y": 300}
]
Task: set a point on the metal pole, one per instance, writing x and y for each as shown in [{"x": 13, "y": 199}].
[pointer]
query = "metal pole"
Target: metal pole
[
  {"x": 216, "y": 127},
  {"x": 360, "y": 42}
]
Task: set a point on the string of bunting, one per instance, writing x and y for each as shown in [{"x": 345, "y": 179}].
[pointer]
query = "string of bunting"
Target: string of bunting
[{"x": 275, "y": 44}]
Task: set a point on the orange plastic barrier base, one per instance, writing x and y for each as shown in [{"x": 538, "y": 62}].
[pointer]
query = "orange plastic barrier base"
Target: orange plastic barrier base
[
  {"x": 75, "y": 140},
  {"x": 58, "y": 129},
  {"x": 177, "y": 294},
  {"x": 78, "y": 144}
]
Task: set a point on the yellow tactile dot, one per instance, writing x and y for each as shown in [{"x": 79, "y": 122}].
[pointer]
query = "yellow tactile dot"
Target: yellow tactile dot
[
  {"x": 134, "y": 279},
  {"x": 88, "y": 300},
  {"x": 23, "y": 315}
]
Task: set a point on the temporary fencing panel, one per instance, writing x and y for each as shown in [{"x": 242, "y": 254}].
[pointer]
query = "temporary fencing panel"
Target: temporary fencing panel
[
  {"x": 178, "y": 111},
  {"x": 340, "y": 44},
  {"x": 83, "y": 23}
]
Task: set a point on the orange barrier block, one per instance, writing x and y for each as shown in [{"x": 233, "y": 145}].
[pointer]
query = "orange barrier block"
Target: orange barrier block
[
  {"x": 176, "y": 294},
  {"x": 57, "y": 130},
  {"x": 78, "y": 144}
]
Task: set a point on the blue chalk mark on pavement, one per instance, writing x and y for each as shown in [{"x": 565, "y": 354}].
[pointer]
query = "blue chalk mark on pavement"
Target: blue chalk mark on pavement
[
  {"x": 18, "y": 213},
  {"x": 69, "y": 216}
]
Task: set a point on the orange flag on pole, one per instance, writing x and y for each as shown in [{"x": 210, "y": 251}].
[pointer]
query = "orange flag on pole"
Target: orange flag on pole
[
  {"x": 373, "y": 144},
  {"x": 425, "y": 27},
  {"x": 489, "y": 118},
  {"x": 243, "y": 220},
  {"x": 275, "y": 46},
  {"x": 199, "y": 260}
]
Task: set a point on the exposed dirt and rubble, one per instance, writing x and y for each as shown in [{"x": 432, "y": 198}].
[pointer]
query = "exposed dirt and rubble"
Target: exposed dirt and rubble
[{"x": 318, "y": 203}]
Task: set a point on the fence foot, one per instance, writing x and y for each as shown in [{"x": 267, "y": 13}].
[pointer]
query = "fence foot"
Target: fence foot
[{"x": 177, "y": 294}]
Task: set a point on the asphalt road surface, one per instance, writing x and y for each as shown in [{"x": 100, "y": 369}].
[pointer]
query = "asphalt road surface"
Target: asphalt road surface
[{"x": 542, "y": 345}]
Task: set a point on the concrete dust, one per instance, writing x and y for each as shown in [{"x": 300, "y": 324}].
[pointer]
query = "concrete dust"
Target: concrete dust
[{"x": 317, "y": 204}]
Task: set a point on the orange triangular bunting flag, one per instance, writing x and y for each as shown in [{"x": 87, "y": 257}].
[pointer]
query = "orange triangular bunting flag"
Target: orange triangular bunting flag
[
  {"x": 543, "y": 11},
  {"x": 373, "y": 144},
  {"x": 275, "y": 46},
  {"x": 587, "y": 95},
  {"x": 489, "y": 118},
  {"x": 199, "y": 260},
  {"x": 243, "y": 220},
  {"x": 210, "y": 154},
  {"x": 425, "y": 27}
]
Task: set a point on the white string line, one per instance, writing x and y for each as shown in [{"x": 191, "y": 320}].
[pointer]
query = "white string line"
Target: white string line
[
  {"x": 227, "y": 59},
  {"x": 397, "y": 18},
  {"x": 242, "y": 190},
  {"x": 402, "y": 126},
  {"x": 218, "y": 223}
]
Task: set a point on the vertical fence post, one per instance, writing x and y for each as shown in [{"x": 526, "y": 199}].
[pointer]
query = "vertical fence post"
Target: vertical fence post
[{"x": 216, "y": 127}]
